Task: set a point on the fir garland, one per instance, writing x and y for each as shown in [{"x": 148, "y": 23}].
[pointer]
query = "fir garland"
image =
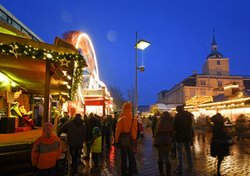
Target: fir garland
[{"x": 17, "y": 49}]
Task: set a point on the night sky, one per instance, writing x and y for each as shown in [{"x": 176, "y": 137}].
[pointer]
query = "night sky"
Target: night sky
[{"x": 180, "y": 32}]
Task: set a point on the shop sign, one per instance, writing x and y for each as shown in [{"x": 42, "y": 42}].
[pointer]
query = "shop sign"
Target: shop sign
[{"x": 92, "y": 93}]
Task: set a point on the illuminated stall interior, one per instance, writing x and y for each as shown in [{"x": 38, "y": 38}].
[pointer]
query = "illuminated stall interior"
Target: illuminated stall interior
[
  {"x": 231, "y": 104},
  {"x": 26, "y": 64}
]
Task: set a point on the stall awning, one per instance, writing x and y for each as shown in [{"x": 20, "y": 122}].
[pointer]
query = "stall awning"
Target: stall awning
[
  {"x": 196, "y": 100},
  {"x": 19, "y": 64}
]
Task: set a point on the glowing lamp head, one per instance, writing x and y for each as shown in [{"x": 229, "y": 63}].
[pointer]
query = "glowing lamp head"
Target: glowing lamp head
[{"x": 142, "y": 44}]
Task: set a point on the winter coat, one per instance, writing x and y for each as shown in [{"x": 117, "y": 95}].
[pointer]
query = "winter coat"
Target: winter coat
[
  {"x": 183, "y": 126},
  {"x": 96, "y": 146},
  {"x": 125, "y": 121},
  {"x": 219, "y": 143},
  {"x": 164, "y": 132},
  {"x": 45, "y": 152},
  {"x": 75, "y": 130}
]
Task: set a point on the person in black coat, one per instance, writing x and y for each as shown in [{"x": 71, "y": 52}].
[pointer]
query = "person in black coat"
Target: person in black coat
[
  {"x": 91, "y": 122},
  {"x": 75, "y": 130},
  {"x": 220, "y": 140},
  {"x": 163, "y": 139},
  {"x": 183, "y": 136}
]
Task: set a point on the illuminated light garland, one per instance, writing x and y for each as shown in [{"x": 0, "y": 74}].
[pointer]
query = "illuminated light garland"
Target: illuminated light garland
[{"x": 17, "y": 49}]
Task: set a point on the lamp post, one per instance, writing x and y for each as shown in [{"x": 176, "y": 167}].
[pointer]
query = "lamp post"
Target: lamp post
[{"x": 141, "y": 44}]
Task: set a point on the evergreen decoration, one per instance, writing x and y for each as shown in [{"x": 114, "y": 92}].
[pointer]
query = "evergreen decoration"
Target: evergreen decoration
[{"x": 17, "y": 49}]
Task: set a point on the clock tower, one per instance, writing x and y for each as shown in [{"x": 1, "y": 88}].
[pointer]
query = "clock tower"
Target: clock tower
[{"x": 215, "y": 63}]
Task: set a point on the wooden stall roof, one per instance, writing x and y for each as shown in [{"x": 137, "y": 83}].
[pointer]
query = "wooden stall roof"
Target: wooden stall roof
[{"x": 29, "y": 73}]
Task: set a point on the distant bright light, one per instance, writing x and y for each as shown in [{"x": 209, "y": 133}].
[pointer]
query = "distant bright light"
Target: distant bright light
[
  {"x": 3, "y": 78},
  {"x": 13, "y": 84},
  {"x": 49, "y": 56}
]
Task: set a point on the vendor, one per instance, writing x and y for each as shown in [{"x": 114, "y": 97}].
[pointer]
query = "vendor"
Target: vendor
[{"x": 25, "y": 115}]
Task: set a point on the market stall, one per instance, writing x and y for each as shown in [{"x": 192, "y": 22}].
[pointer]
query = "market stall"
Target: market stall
[{"x": 34, "y": 69}]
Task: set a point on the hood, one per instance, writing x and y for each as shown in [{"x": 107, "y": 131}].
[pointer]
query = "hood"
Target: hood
[
  {"x": 127, "y": 110},
  {"x": 127, "y": 106}
]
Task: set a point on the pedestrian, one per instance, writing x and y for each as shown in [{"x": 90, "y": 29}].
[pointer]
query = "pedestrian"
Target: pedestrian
[
  {"x": 173, "y": 142},
  {"x": 183, "y": 136},
  {"x": 46, "y": 151},
  {"x": 202, "y": 126},
  {"x": 107, "y": 126},
  {"x": 64, "y": 119},
  {"x": 163, "y": 139},
  {"x": 241, "y": 127},
  {"x": 127, "y": 124},
  {"x": 92, "y": 121},
  {"x": 75, "y": 130},
  {"x": 114, "y": 124},
  {"x": 140, "y": 127},
  {"x": 96, "y": 148},
  {"x": 220, "y": 140},
  {"x": 154, "y": 121}
]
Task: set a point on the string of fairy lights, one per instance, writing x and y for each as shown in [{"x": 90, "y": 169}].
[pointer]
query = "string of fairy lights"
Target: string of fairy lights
[{"x": 17, "y": 49}]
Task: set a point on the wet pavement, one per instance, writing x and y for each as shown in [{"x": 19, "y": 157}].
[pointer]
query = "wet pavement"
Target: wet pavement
[{"x": 238, "y": 163}]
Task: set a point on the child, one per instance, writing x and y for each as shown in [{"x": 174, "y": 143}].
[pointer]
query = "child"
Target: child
[
  {"x": 46, "y": 151},
  {"x": 96, "y": 147}
]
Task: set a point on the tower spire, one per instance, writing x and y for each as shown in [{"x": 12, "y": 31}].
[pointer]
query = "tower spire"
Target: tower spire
[
  {"x": 214, "y": 42},
  {"x": 214, "y": 53},
  {"x": 214, "y": 47}
]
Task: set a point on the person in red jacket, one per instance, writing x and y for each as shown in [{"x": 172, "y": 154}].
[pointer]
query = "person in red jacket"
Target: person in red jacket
[{"x": 46, "y": 151}]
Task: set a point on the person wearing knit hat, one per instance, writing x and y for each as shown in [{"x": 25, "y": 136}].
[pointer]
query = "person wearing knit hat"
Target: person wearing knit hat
[
  {"x": 48, "y": 129},
  {"x": 46, "y": 151}
]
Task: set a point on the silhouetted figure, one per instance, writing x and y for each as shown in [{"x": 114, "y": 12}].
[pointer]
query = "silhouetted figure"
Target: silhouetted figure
[
  {"x": 75, "y": 130},
  {"x": 154, "y": 121},
  {"x": 183, "y": 136},
  {"x": 241, "y": 127},
  {"x": 107, "y": 123},
  {"x": 163, "y": 139},
  {"x": 91, "y": 122},
  {"x": 114, "y": 123},
  {"x": 220, "y": 140}
]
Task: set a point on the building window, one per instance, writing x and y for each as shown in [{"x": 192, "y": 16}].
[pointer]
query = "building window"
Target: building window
[
  {"x": 218, "y": 62},
  {"x": 203, "y": 91},
  {"x": 219, "y": 72},
  {"x": 203, "y": 82},
  {"x": 192, "y": 93}
]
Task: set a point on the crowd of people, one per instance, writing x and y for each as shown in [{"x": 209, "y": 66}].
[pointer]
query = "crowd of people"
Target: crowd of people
[
  {"x": 171, "y": 135},
  {"x": 87, "y": 137},
  {"x": 174, "y": 133}
]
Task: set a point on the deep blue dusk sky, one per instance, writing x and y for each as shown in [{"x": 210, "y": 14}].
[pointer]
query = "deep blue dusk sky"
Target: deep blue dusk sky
[{"x": 180, "y": 32}]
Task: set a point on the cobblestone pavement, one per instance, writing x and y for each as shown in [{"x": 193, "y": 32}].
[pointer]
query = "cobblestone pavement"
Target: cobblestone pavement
[{"x": 238, "y": 163}]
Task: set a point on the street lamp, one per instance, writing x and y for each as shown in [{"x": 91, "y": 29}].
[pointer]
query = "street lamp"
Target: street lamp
[{"x": 141, "y": 44}]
